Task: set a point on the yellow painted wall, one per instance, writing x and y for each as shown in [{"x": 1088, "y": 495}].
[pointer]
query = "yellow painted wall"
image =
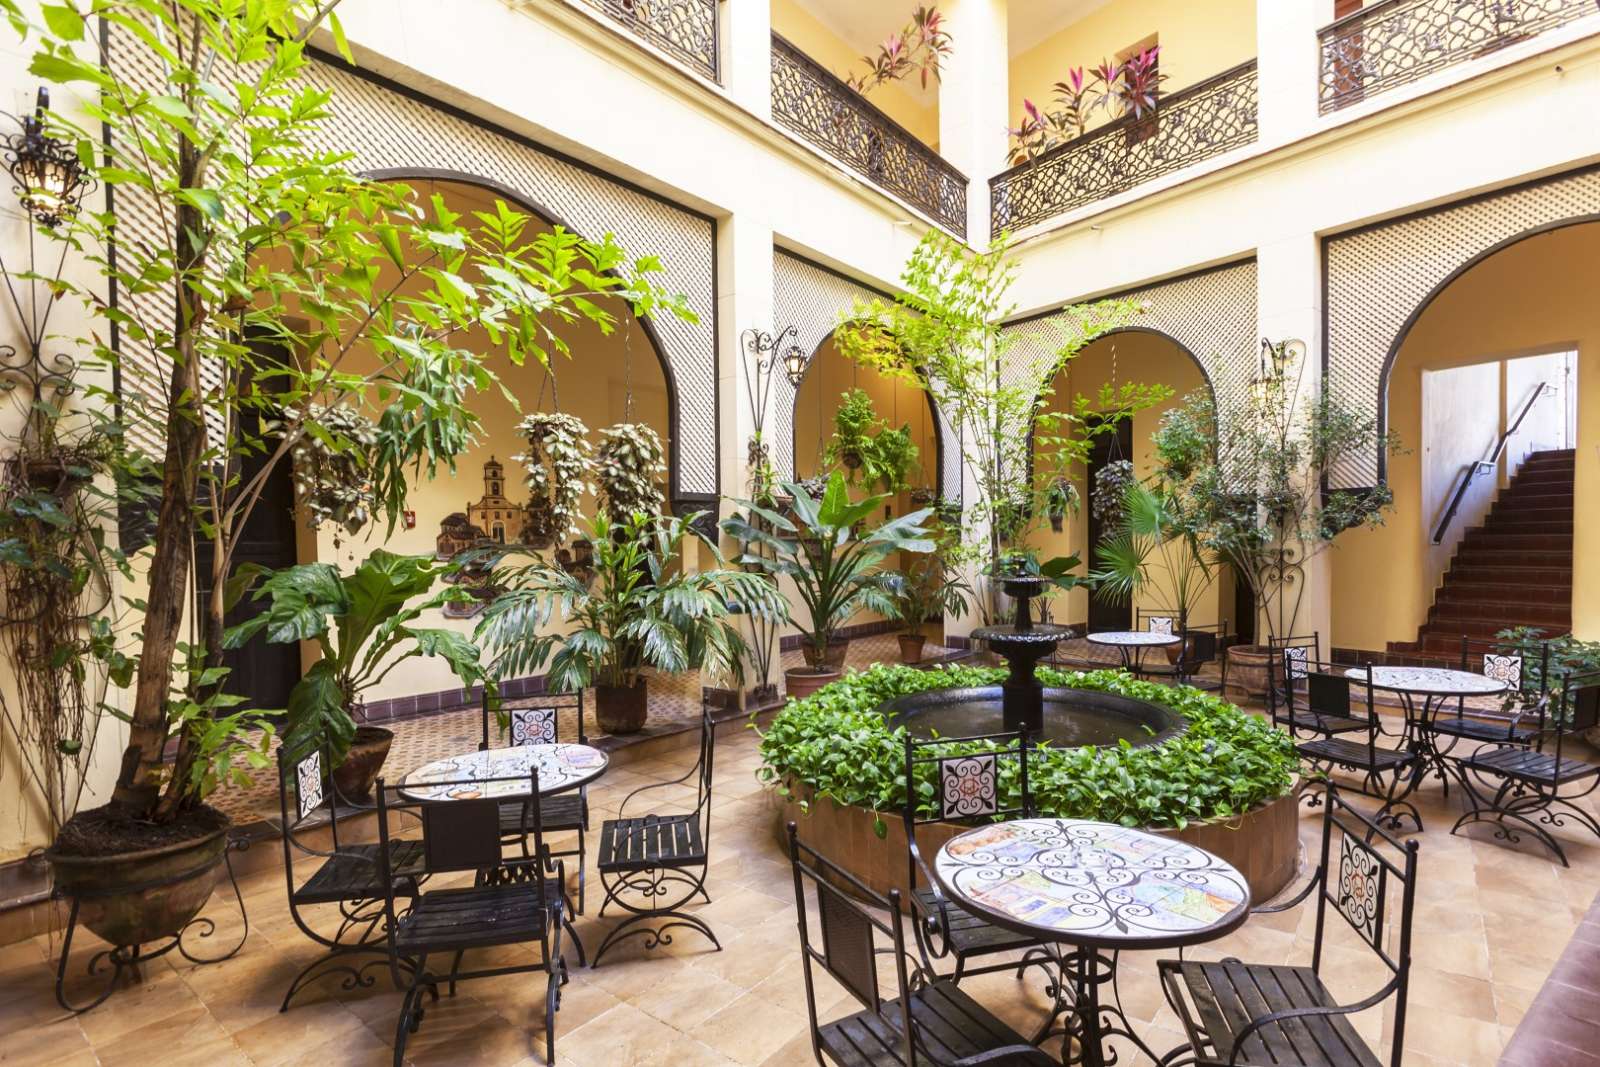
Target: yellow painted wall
[
  {"x": 822, "y": 44},
  {"x": 1535, "y": 296},
  {"x": 592, "y": 385},
  {"x": 1139, "y": 357},
  {"x": 1197, "y": 40}
]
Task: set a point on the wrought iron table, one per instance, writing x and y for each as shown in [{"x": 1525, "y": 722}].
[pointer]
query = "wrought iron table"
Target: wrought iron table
[
  {"x": 505, "y": 772},
  {"x": 1091, "y": 889},
  {"x": 1435, "y": 685},
  {"x": 1131, "y": 645}
]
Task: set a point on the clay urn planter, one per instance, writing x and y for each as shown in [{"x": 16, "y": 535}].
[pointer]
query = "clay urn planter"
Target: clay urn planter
[
  {"x": 911, "y": 646},
  {"x": 355, "y": 776},
  {"x": 801, "y": 682},
  {"x": 838, "y": 648},
  {"x": 622, "y": 709}
]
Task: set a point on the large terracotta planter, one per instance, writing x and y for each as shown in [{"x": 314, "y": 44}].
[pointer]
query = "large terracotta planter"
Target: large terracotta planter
[
  {"x": 144, "y": 896},
  {"x": 354, "y": 777},
  {"x": 838, "y": 648},
  {"x": 1248, "y": 667},
  {"x": 801, "y": 682},
  {"x": 622, "y": 709},
  {"x": 1263, "y": 843}
]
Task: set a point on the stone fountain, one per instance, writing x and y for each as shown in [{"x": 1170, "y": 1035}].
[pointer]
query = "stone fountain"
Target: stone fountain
[{"x": 1065, "y": 718}]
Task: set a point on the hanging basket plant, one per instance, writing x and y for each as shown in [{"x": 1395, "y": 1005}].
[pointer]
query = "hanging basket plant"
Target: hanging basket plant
[
  {"x": 1110, "y": 487},
  {"x": 333, "y": 464},
  {"x": 630, "y": 462},
  {"x": 557, "y": 456},
  {"x": 853, "y": 425}
]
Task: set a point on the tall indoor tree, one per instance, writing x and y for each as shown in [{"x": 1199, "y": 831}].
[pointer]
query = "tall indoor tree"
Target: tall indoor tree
[{"x": 283, "y": 286}]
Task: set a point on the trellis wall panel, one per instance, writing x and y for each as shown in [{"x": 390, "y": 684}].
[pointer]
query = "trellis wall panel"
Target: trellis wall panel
[
  {"x": 812, "y": 300},
  {"x": 388, "y": 130},
  {"x": 1381, "y": 277},
  {"x": 1212, "y": 313}
]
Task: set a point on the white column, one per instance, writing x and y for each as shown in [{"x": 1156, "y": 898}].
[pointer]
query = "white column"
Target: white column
[
  {"x": 1288, "y": 62},
  {"x": 973, "y": 99},
  {"x": 746, "y": 58},
  {"x": 744, "y": 302},
  {"x": 1289, "y": 298}
]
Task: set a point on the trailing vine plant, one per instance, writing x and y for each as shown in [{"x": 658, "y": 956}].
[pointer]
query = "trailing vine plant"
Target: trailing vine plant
[
  {"x": 556, "y": 461},
  {"x": 628, "y": 466},
  {"x": 335, "y": 483}
]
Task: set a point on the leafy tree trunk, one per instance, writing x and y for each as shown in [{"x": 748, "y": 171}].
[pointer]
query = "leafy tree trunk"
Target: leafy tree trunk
[{"x": 172, "y": 561}]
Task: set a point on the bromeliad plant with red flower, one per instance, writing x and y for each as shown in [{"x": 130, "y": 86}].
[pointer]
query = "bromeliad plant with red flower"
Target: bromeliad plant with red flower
[
  {"x": 919, "y": 48},
  {"x": 1131, "y": 88}
]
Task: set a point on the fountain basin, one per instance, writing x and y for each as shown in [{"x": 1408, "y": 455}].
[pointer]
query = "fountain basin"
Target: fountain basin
[{"x": 1071, "y": 717}]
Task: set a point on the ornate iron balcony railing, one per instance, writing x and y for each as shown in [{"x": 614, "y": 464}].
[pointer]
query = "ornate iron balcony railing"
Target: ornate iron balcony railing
[
  {"x": 1186, "y": 127},
  {"x": 809, "y": 100},
  {"x": 684, "y": 29},
  {"x": 1398, "y": 41}
]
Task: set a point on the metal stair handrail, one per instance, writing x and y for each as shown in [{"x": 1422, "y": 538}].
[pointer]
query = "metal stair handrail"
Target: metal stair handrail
[{"x": 1477, "y": 467}]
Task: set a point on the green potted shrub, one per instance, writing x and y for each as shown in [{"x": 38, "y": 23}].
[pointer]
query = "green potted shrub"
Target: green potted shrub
[
  {"x": 362, "y": 623},
  {"x": 835, "y": 570},
  {"x": 638, "y": 611},
  {"x": 926, "y": 589}
]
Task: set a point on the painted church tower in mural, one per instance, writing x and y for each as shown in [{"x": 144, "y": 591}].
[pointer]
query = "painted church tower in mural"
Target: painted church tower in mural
[{"x": 498, "y": 517}]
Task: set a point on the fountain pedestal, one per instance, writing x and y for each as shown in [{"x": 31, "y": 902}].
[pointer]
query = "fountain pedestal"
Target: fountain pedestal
[{"x": 1022, "y": 645}]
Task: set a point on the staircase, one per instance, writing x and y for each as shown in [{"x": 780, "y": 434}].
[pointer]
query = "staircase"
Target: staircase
[{"x": 1514, "y": 570}]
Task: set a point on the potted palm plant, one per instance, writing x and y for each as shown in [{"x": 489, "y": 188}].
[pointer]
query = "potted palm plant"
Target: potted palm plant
[
  {"x": 926, "y": 589},
  {"x": 637, "y": 611},
  {"x": 362, "y": 623},
  {"x": 835, "y": 570}
]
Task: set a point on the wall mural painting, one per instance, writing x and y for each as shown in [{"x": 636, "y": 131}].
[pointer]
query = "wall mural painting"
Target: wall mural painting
[{"x": 471, "y": 536}]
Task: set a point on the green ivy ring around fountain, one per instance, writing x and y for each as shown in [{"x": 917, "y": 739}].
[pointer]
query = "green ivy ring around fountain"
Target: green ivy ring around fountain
[{"x": 1227, "y": 783}]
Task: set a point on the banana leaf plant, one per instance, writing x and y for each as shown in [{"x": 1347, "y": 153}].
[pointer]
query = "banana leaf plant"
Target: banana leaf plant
[
  {"x": 1157, "y": 545},
  {"x": 640, "y": 610},
  {"x": 834, "y": 569},
  {"x": 363, "y": 624}
]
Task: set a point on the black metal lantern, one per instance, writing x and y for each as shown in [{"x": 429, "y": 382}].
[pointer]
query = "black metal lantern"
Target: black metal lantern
[
  {"x": 795, "y": 362},
  {"x": 49, "y": 179}
]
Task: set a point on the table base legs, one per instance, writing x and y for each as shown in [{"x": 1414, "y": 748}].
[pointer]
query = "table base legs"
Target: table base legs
[{"x": 1081, "y": 1017}]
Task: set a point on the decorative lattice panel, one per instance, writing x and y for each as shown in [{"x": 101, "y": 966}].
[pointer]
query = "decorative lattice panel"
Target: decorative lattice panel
[
  {"x": 388, "y": 131},
  {"x": 811, "y": 300},
  {"x": 1377, "y": 278},
  {"x": 1212, "y": 314}
]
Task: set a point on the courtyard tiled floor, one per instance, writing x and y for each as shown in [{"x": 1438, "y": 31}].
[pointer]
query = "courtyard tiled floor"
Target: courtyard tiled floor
[{"x": 1490, "y": 922}]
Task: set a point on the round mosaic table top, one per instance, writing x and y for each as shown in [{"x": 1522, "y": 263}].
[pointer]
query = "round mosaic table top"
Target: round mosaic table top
[
  {"x": 1093, "y": 884},
  {"x": 505, "y": 772},
  {"x": 1132, "y": 638},
  {"x": 1429, "y": 681}
]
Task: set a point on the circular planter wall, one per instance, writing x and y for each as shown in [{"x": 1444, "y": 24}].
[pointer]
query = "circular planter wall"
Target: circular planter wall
[{"x": 1263, "y": 843}]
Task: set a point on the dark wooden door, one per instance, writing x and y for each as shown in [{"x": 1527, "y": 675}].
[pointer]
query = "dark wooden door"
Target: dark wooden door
[
  {"x": 1103, "y": 614},
  {"x": 262, "y": 673}
]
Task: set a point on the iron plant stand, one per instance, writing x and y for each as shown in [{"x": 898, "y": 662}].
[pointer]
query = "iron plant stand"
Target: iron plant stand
[{"x": 132, "y": 958}]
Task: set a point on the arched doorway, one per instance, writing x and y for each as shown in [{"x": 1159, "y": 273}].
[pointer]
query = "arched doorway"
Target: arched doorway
[
  {"x": 830, "y": 376},
  {"x": 1471, "y": 356},
  {"x": 1150, "y": 357}
]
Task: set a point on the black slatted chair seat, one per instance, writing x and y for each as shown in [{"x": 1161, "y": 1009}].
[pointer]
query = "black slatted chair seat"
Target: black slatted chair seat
[
  {"x": 951, "y": 1025},
  {"x": 478, "y": 917},
  {"x": 1484, "y": 730},
  {"x": 969, "y": 934},
  {"x": 650, "y": 841},
  {"x": 1349, "y": 753},
  {"x": 353, "y": 873},
  {"x": 1227, "y": 995},
  {"x": 1324, "y": 724},
  {"x": 1531, "y": 766},
  {"x": 561, "y": 813}
]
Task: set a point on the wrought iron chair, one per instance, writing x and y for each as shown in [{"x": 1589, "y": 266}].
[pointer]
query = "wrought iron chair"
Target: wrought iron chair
[
  {"x": 349, "y": 878},
  {"x": 1357, "y": 750},
  {"x": 1287, "y": 651},
  {"x": 539, "y": 722},
  {"x": 965, "y": 788},
  {"x": 1325, "y": 708},
  {"x": 1200, "y": 646},
  {"x": 929, "y": 1021},
  {"x": 659, "y": 861},
  {"x": 1537, "y": 789},
  {"x": 512, "y": 902},
  {"x": 1261, "y": 1015},
  {"x": 1526, "y": 702}
]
